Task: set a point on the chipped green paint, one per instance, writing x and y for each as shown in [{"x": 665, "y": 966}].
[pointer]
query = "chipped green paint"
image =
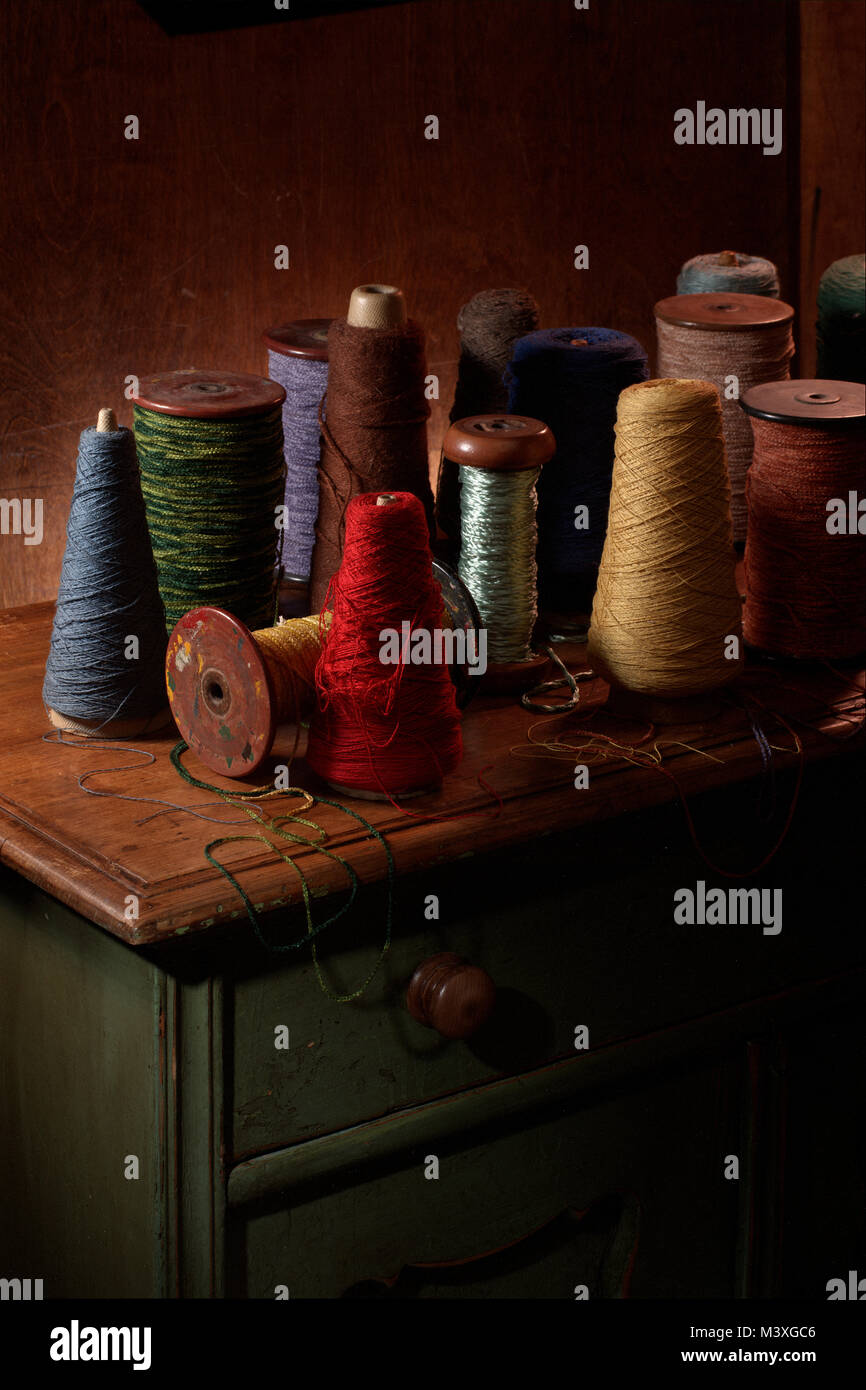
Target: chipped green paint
[
  {"x": 170, "y": 679},
  {"x": 224, "y": 731}
]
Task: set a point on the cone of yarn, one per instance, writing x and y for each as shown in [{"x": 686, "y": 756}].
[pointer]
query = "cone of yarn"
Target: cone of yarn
[
  {"x": 104, "y": 669},
  {"x": 735, "y": 341},
  {"x": 571, "y": 379},
  {"x": 383, "y": 729},
  {"x": 666, "y": 600},
  {"x": 805, "y": 560},
  {"x": 374, "y": 431},
  {"x": 842, "y": 320},
  {"x": 489, "y": 325},
  {"x": 731, "y": 271}
]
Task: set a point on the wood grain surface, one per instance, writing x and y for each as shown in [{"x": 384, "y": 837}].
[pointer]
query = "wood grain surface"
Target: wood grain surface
[
  {"x": 94, "y": 851},
  {"x": 128, "y": 257}
]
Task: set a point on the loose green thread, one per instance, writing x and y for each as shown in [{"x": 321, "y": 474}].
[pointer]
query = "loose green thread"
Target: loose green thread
[
  {"x": 211, "y": 489},
  {"x": 274, "y": 827}
]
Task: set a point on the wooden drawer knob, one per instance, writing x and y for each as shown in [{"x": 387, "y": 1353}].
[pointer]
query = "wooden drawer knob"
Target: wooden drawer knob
[{"x": 451, "y": 995}]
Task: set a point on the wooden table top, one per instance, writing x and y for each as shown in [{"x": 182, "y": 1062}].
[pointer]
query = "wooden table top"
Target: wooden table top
[{"x": 94, "y": 852}]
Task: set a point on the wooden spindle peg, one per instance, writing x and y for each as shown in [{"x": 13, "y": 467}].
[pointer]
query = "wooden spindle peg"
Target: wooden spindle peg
[
  {"x": 107, "y": 421},
  {"x": 376, "y": 306}
]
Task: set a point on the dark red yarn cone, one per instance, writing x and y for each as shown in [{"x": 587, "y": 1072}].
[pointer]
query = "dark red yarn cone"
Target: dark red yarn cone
[{"x": 383, "y": 728}]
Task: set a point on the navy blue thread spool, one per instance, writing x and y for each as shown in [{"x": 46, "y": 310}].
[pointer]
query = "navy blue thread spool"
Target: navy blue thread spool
[{"x": 571, "y": 379}]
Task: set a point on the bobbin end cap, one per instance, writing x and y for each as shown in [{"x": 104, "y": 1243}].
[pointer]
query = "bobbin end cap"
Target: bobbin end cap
[
  {"x": 106, "y": 422},
  {"x": 501, "y": 443},
  {"x": 376, "y": 306}
]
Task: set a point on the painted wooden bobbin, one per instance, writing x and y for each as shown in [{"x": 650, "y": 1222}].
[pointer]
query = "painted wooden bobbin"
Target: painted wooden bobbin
[
  {"x": 106, "y": 423},
  {"x": 504, "y": 444},
  {"x": 208, "y": 395},
  {"x": 221, "y": 692}
]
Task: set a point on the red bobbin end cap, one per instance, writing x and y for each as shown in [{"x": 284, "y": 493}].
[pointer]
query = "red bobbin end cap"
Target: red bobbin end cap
[
  {"x": 220, "y": 691},
  {"x": 719, "y": 311},
  {"x": 300, "y": 338}
]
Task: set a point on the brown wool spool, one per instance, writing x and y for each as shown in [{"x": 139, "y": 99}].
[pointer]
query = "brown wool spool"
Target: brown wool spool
[
  {"x": 667, "y": 599},
  {"x": 106, "y": 423},
  {"x": 805, "y": 560},
  {"x": 490, "y": 450},
  {"x": 712, "y": 337},
  {"x": 374, "y": 426},
  {"x": 489, "y": 325}
]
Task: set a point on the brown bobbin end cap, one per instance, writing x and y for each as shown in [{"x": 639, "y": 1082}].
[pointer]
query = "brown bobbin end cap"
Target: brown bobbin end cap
[
  {"x": 811, "y": 402},
  {"x": 500, "y": 443},
  {"x": 300, "y": 338},
  {"x": 723, "y": 312},
  {"x": 220, "y": 691},
  {"x": 376, "y": 306},
  {"x": 208, "y": 395}
]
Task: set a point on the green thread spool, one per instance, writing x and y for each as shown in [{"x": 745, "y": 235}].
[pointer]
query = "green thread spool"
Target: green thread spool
[
  {"x": 500, "y": 458},
  {"x": 842, "y": 320},
  {"x": 210, "y": 449}
]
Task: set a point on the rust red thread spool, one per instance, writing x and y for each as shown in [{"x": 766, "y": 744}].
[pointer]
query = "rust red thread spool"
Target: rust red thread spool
[{"x": 805, "y": 559}]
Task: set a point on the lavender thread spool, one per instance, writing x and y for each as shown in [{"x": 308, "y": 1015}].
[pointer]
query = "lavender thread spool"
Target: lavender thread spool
[{"x": 298, "y": 361}]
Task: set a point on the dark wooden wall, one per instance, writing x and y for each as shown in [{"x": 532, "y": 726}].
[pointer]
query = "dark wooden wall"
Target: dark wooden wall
[{"x": 556, "y": 128}]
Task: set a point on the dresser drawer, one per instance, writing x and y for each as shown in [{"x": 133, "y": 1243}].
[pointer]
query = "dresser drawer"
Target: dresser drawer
[
  {"x": 577, "y": 935},
  {"x": 625, "y": 1197}
]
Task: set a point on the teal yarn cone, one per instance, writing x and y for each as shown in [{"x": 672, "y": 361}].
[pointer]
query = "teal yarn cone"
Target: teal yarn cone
[
  {"x": 842, "y": 320},
  {"x": 728, "y": 272}
]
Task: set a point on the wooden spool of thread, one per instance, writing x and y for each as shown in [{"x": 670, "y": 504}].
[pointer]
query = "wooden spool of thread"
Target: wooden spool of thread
[
  {"x": 141, "y": 606},
  {"x": 805, "y": 583},
  {"x": 667, "y": 602},
  {"x": 383, "y": 729},
  {"x": 500, "y": 459},
  {"x": 713, "y": 337},
  {"x": 230, "y": 689},
  {"x": 374, "y": 430},
  {"x": 210, "y": 446},
  {"x": 298, "y": 361}
]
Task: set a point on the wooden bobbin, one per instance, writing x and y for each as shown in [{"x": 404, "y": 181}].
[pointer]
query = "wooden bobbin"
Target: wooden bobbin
[
  {"x": 503, "y": 444},
  {"x": 809, "y": 403},
  {"x": 376, "y": 306},
  {"x": 306, "y": 338},
  {"x": 723, "y": 312},
  {"x": 106, "y": 423},
  {"x": 208, "y": 395},
  {"x": 221, "y": 693}
]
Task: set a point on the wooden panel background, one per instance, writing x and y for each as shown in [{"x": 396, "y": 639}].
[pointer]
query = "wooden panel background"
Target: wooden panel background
[{"x": 556, "y": 128}]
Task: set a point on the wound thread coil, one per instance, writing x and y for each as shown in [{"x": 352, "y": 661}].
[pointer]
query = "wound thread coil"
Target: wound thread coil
[
  {"x": 666, "y": 603},
  {"x": 805, "y": 559},
  {"x": 730, "y": 272},
  {"x": 735, "y": 341},
  {"x": 210, "y": 445},
  {"x": 841, "y": 338}
]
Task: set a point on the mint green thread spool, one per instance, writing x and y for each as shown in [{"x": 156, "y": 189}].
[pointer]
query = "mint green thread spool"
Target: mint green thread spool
[{"x": 210, "y": 449}]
